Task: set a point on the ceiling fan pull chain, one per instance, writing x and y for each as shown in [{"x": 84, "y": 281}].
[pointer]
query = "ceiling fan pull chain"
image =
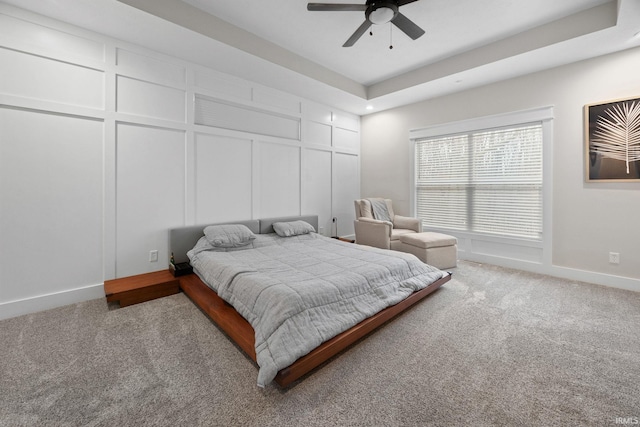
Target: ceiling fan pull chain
[
  {"x": 378, "y": 12},
  {"x": 390, "y": 36}
]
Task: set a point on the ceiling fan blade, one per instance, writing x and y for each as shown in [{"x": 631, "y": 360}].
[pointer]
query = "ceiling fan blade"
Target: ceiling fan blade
[
  {"x": 335, "y": 7},
  {"x": 359, "y": 32},
  {"x": 407, "y": 26},
  {"x": 403, "y": 2}
]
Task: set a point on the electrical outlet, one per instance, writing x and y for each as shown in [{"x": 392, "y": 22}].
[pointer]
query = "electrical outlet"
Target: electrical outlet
[
  {"x": 153, "y": 256},
  {"x": 614, "y": 258}
]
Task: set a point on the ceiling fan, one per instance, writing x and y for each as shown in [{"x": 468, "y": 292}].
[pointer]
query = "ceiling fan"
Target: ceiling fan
[{"x": 375, "y": 12}]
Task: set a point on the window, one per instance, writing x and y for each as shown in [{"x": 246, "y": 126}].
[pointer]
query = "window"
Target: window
[{"x": 486, "y": 181}]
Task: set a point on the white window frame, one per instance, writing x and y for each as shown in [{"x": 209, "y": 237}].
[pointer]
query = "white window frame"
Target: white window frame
[{"x": 508, "y": 251}]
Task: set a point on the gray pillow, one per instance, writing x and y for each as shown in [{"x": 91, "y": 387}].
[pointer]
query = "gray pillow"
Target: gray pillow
[
  {"x": 228, "y": 235},
  {"x": 203, "y": 245},
  {"x": 293, "y": 228}
]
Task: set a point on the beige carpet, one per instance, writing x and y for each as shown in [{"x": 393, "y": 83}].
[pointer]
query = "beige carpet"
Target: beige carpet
[{"x": 492, "y": 347}]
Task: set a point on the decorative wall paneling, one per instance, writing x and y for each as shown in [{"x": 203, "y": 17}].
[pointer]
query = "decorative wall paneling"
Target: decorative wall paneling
[
  {"x": 346, "y": 139},
  {"x": 150, "y": 69},
  {"x": 346, "y": 189},
  {"x": 226, "y": 115},
  {"x": 316, "y": 186},
  {"x": 141, "y": 98},
  {"x": 51, "y": 203},
  {"x": 219, "y": 161},
  {"x": 150, "y": 184},
  {"x": 276, "y": 180},
  {"x": 319, "y": 134},
  {"x": 103, "y": 149},
  {"x": 30, "y": 76},
  {"x": 25, "y": 32}
]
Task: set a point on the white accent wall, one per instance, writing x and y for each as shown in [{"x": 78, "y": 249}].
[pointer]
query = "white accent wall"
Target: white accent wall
[
  {"x": 587, "y": 220},
  {"x": 104, "y": 146}
]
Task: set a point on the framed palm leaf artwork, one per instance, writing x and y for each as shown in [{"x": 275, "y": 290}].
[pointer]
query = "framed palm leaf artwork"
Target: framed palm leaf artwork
[{"x": 612, "y": 141}]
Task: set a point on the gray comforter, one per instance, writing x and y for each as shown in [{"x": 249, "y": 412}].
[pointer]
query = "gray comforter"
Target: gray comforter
[{"x": 298, "y": 292}]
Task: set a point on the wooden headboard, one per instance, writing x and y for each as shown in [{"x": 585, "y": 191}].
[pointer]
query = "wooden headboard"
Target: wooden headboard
[{"x": 183, "y": 239}]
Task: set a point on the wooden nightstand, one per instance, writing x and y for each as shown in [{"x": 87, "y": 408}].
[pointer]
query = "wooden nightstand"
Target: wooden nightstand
[
  {"x": 344, "y": 239},
  {"x": 141, "y": 288}
]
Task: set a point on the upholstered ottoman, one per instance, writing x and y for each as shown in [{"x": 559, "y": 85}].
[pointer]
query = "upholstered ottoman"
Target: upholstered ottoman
[{"x": 436, "y": 249}]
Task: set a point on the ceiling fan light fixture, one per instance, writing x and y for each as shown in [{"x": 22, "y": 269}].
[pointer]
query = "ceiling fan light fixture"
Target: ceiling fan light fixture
[
  {"x": 375, "y": 12},
  {"x": 382, "y": 15}
]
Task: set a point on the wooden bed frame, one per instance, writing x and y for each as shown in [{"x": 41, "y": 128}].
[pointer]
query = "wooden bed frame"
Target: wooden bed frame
[{"x": 242, "y": 333}]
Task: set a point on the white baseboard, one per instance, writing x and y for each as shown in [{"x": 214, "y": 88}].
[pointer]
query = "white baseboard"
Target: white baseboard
[
  {"x": 49, "y": 301},
  {"x": 597, "y": 278},
  {"x": 59, "y": 299},
  {"x": 609, "y": 280}
]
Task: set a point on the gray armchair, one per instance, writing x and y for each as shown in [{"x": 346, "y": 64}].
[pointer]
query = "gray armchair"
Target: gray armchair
[{"x": 382, "y": 234}]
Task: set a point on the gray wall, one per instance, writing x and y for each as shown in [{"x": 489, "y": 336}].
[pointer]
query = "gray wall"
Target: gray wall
[{"x": 588, "y": 219}]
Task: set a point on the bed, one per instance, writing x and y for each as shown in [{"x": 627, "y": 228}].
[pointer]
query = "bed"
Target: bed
[{"x": 291, "y": 302}]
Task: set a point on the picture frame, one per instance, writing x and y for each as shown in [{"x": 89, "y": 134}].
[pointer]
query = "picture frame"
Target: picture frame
[{"x": 612, "y": 141}]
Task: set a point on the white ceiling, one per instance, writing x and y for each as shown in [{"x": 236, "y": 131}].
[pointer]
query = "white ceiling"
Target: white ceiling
[
  {"x": 452, "y": 27},
  {"x": 280, "y": 44}
]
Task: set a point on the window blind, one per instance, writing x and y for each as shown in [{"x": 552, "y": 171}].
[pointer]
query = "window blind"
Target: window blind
[{"x": 486, "y": 181}]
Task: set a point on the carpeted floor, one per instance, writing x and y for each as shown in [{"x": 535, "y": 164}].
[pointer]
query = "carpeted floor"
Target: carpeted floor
[{"x": 492, "y": 347}]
